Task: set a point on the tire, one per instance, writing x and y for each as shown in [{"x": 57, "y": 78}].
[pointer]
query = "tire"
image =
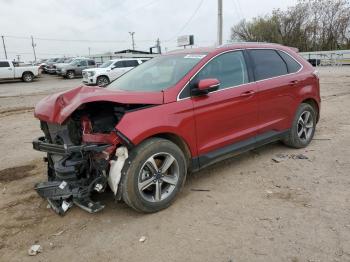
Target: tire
[
  {"x": 27, "y": 77},
  {"x": 102, "y": 81},
  {"x": 140, "y": 182},
  {"x": 70, "y": 74},
  {"x": 301, "y": 133}
]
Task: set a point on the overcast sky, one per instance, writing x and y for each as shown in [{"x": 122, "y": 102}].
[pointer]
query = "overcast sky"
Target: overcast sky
[{"x": 104, "y": 25}]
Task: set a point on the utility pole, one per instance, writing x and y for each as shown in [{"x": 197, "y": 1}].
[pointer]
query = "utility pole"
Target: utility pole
[
  {"x": 132, "y": 40},
  {"x": 158, "y": 46},
  {"x": 89, "y": 51},
  {"x": 33, "y": 45},
  {"x": 219, "y": 40},
  {"x": 3, "y": 43}
]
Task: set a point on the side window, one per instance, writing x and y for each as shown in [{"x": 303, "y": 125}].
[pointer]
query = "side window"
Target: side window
[
  {"x": 118, "y": 64},
  {"x": 4, "y": 64},
  {"x": 83, "y": 63},
  {"x": 131, "y": 63},
  {"x": 144, "y": 60},
  {"x": 293, "y": 66},
  {"x": 229, "y": 68},
  {"x": 267, "y": 64},
  {"x": 91, "y": 62}
]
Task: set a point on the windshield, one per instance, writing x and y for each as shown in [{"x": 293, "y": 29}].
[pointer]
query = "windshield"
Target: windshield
[
  {"x": 158, "y": 73},
  {"x": 106, "y": 64}
]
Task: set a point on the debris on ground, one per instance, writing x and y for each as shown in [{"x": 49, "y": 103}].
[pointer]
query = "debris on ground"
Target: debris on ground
[
  {"x": 199, "y": 189},
  {"x": 299, "y": 156},
  {"x": 280, "y": 157},
  {"x": 142, "y": 239},
  {"x": 34, "y": 250},
  {"x": 58, "y": 233}
]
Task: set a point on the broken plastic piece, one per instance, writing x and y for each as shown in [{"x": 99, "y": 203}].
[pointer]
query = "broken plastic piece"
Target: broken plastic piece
[
  {"x": 116, "y": 168},
  {"x": 88, "y": 205},
  {"x": 34, "y": 250}
]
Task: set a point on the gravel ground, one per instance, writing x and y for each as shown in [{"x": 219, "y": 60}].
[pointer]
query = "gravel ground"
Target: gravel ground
[{"x": 253, "y": 209}]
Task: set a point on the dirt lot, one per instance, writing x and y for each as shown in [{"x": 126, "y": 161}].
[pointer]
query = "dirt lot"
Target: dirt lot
[{"x": 254, "y": 209}]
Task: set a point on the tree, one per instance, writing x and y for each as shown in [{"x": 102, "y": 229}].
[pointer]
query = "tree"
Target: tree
[{"x": 310, "y": 25}]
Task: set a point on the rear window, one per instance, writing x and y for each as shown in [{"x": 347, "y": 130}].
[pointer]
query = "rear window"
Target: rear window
[
  {"x": 292, "y": 65},
  {"x": 267, "y": 64},
  {"x": 4, "y": 64}
]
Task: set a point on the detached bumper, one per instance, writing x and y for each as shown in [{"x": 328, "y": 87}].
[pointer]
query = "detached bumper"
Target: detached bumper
[
  {"x": 41, "y": 144},
  {"x": 66, "y": 186}
]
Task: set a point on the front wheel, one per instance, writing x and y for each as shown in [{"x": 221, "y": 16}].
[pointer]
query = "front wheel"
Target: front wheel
[
  {"x": 102, "y": 81},
  {"x": 156, "y": 174},
  {"x": 303, "y": 128}
]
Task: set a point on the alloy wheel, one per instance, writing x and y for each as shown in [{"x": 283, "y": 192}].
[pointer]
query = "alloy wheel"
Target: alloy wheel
[
  {"x": 305, "y": 126},
  {"x": 158, "y": 177}
]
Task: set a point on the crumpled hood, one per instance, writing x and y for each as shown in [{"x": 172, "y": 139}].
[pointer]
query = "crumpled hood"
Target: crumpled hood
[{"x": 58, "y": 107}]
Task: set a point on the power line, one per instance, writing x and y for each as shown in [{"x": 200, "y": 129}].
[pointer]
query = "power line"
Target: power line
[
  {"x": 188, "y": 21},
  {"x": 74, "y": 40}
]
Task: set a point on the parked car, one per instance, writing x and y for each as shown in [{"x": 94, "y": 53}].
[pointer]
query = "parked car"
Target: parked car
[
  {"x": 175, "y": 114},
  {"x": 110, "y": 71},
  {"x": 49, "y": 63},
  {"x": 51, "y": 69},
  {"x": 12, "y": 70},
  {"x": 75, "y": 68}
]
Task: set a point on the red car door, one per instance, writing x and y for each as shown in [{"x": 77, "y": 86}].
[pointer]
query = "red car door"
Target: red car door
[
  {"x": 225, "y": 119},
  {"x": 275, "y": 75}
]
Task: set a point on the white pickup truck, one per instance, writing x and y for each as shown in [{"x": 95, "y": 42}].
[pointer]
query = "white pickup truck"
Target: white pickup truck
[
  {"x": 11, "y": 70},
  {"x": 110, "y": 71}
]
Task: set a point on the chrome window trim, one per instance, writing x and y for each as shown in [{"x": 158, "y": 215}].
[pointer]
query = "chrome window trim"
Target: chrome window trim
[{"x": 241, "y": 49}]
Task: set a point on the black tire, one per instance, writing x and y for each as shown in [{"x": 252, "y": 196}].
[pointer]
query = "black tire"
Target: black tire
[
  {"x": 102, "y": 81},
  {"x": 139, "y": 199},
  {"x": 70, "y": 74},
  {"x": 293, "y": 139},
  {"x": 27, "y": 77}
]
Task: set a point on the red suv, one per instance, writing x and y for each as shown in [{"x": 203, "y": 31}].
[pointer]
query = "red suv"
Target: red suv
[{"x": 175, "y": 114}]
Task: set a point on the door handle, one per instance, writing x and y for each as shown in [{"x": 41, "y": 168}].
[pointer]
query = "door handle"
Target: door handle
[
  {"x": 294, "y": 82},
  {"x": 247, "y": 93},
  {"x": 10, "y": 69}
]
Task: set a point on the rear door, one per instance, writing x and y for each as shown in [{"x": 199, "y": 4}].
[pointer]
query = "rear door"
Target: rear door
[
  {"x": 6, "y": 70},
  {"x": 82, "y": 65},
  {"x": 276, "y": 81},
  {"x": 229, "y": 115},
  {"x": 130, "y": 64}
]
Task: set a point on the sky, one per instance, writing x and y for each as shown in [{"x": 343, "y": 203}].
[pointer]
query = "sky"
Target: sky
[{"x": 71, "y": 27}]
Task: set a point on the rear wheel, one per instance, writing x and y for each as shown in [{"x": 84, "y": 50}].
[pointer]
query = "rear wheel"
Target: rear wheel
[
  {"x": 70, "y": 74},
  {"x": 303, "y": 128},
  {"x": 102, "y": 81},
  {"x": 156, "y": 174},
  {"x": 27, "y": 77}
]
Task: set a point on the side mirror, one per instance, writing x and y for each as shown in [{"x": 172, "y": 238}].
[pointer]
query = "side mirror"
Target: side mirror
[{"x": 206, "y": 86}]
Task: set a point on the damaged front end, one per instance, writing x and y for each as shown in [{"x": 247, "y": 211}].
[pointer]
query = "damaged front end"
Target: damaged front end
[{"x": 84, "y": 155}]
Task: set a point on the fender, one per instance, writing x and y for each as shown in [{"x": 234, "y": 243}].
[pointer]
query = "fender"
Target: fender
[{"x": 175, "y": 118}]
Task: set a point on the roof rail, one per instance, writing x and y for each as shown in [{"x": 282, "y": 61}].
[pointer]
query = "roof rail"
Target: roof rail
[{"x": 243, "y": 42}]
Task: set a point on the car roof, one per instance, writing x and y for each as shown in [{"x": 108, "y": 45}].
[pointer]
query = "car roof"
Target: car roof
[{"x": 238, "y": 45}]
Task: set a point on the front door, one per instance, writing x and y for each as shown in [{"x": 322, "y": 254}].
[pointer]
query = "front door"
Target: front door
[
  {"x": 5, "y": 70},
  {"x": 227, "y": 118}
]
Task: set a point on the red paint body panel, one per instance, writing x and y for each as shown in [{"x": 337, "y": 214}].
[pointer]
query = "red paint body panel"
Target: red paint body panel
[
  {"x": 204, "y": 123},
  {"x": 58, "y": 107}
]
